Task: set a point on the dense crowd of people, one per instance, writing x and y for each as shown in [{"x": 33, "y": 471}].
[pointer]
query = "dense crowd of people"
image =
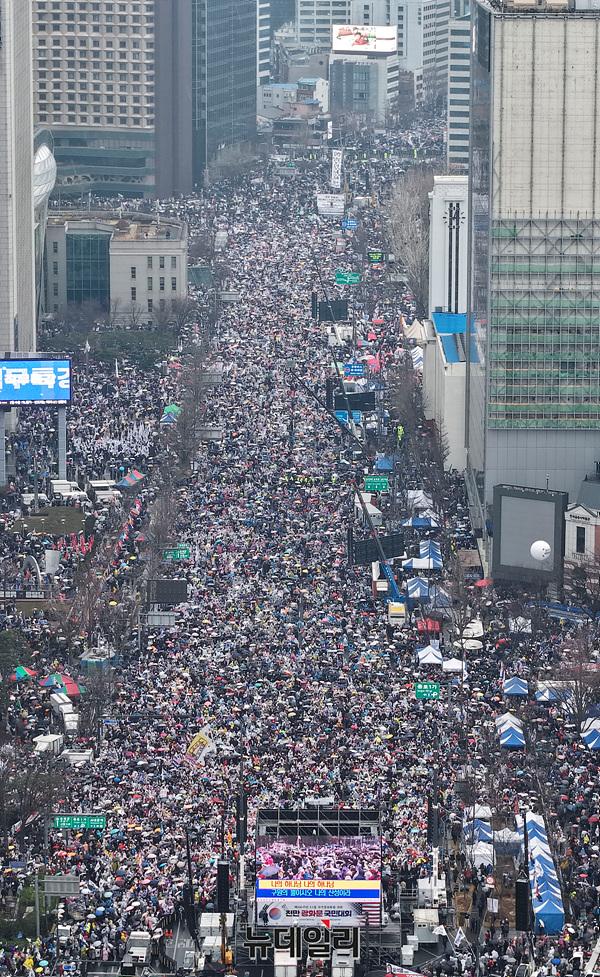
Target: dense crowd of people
[{"x": 280, "y": 655}]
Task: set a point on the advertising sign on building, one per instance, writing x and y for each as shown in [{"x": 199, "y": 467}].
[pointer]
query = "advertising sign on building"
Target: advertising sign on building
[
  {"x": 336, "y": 168},
  {"x": 35, "y": 381},
  {"x": 331, "y": 204},
  {"x": 362, "y": 39}
]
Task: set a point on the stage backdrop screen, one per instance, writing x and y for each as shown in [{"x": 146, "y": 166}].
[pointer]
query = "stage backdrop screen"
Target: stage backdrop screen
[
  {"x": 301, "y": 880},
  {"x": 35, "y": 381}
]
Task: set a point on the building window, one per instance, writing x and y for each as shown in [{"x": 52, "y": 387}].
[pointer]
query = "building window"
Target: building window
[
  {"x": 173, "y": 284},
  {"x": 161, "y": 284},
  {"x": 150, "y": 284},
  {"x": 580, "y": 539},
  {"x": 133, "y": 271},
  {"x": 161, "y": 261},
  {"x": 162, "y": 305},
  {"x": 55, "y": 247},
  {"x": 149, "y": 261},
  {"x": 133, "y": 294},
  {"x": 150, "y": 305},
  {"x": 55, "y": 267},
  {"x": 55, "y": 289},
  {"x": 173, "y": 263}
]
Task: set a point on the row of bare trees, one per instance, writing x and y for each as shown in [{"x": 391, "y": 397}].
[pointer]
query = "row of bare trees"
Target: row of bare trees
[{"x": 408, "y": 230}]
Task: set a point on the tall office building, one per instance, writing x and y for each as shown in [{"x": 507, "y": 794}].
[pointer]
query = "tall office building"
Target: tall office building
[
  {"x": 139, "y": 94},
  {"x": 423, "y": 27},
  {"x": 459, "y": 94},
  {"x": 94, "y": 88},
  {"x": 17, "y": 253},
  {"x": 263, "y": 42},
  {"x": 315, "y": 18},
  {"x": 224, "y": 59},
  {"x": 534, "y": 371},
  {"x": 282, "y": 12}
]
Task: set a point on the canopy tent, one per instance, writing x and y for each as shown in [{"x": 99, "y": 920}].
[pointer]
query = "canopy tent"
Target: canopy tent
[
  {"x": 169, "y": 419},
  {"x": 481, "y": 811},
  {"x": 417, "y": 357},
  {"x": 384, "y": 464},
  {"x": 546, "y": 897},
  {"x": 551, "y": 914},
  {"x": 591, "y": 738},
  {"x": 22, "y": 673},
  {"x": 474, "y": 629},
  {"x": 417, "y": 588},
  {"x": 512, "y": 739},
  {"x": 439, "y": 598},
  {"x": 508, "y": 719},
  {"x": 455, "y": 665},
  {"x": 62, "y": 683},
  {"x": 429, "y": 547},
  {"x": 544, "y": 694},
  {"x": 172, "y": 409},
  {"x": 417, "y": 499},
  {"x": 477, "y": 830},
  {"x": 515, "y": 686},
  {"x": 417, "y": 563},
  {"x": 430, "y": 656},
  {"x": 131, "y": 479},
  {"x": 482, "y": 854},
  {"x": 421, "y": 522}
]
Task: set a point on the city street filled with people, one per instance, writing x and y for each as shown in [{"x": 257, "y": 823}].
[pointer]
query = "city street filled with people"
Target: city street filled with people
[{"x": 281, "y": 654}]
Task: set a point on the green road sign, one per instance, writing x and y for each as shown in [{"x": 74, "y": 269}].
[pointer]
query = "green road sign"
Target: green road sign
[
  {"x": 427, "y": 690},
  {"x": 75, "y": 822},
  {"x": 347, "y": 277},
  {"x": 377, "y": 483},
  {"x": 177, "y": 553}
]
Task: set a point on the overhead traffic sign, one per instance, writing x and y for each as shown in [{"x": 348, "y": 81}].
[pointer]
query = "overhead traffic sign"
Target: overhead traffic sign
[
  {"x": 177, "y": 553},
  {"x": 427, "y": 690},
  {"x": 377, "y": 483},
  {"x": 349, "y": 224},
  {"x": 61, "y": 885},
  {"x": 347, "y": 277},
  {"x": 78, "y": 822}
]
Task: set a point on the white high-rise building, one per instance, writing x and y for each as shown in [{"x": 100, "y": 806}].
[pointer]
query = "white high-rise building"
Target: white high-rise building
[
  {"x": 315, "y": 18},
  {"x": 17, "y": 253},
  {"x": 263, "y": 42},
  {"x": 459, "y": 94}
]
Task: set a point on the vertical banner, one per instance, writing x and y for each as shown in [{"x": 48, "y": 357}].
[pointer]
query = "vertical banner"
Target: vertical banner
[{"x": 336, "y": 168}]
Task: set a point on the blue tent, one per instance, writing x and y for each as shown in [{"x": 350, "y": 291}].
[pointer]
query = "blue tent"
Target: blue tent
[
  {"x": 429, "y": 547},
  {"x": 591, "y": 738},
  {"x": 515, "y": 686},
  {"x": 512, "y": 739},
  {"x": 478, "y": 830},
  {"x": 421, "y": 522},
  {"x": 550, "y": 913},
  {"x": 417, "y": 588},
  {"x": 544, "y": 694},
  {"x": 384, "y": 464}
]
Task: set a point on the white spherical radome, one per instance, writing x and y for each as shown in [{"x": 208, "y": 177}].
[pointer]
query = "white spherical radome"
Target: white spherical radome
[{"x": 540, "y": 550}]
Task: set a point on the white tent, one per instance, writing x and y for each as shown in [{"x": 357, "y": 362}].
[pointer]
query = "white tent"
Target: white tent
[
  {"x": 482, "y": 854},
  {"x": 474, "y": 629},
  {"x": 430, "y": 656},
  {"x": 454, "y": 665}
]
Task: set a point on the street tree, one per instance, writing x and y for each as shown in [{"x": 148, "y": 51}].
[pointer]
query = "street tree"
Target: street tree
[
  {"x": 408, "y": 230},
  {"x": 576, "y": 683}
]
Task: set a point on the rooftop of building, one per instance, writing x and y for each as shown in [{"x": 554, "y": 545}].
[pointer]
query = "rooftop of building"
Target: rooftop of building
[
  {"x": 451, "y": 328},
  {"x": 124, "y": 227},
  {"x": 309, "y": 81},
  {"x": 542, "y": 8}
]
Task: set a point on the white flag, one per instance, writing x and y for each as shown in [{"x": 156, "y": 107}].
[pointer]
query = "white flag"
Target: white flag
[{"x": 460, "y": 937}]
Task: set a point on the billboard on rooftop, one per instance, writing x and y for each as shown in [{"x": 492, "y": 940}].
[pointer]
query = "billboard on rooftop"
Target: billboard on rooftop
[{"x": 353, "y": 39}]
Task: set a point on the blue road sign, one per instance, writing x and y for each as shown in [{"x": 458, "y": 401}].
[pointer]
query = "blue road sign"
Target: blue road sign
[
  {"x": 349, "y": 223},
  {"x": 342, "y": 415}
]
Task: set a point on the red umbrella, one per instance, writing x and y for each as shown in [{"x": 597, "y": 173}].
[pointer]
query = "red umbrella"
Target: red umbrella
[{"x": 486, "y": 582}]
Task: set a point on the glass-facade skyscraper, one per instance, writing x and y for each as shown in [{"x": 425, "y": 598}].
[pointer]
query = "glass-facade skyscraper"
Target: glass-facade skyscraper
[
  {"x": 224, "y": 68},
  {"x": 533, "y": 414}
]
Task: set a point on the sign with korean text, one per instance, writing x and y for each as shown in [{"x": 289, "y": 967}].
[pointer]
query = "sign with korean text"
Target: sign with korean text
[
  {"x": 377, "y": 483},
  {"x": 427, "y": 690},
  {"x": 79, "y": 822},
  {"x": 177, "y": 553},
  {"x": 347, "y": 277},
  {"x": 35, "y": 381}
]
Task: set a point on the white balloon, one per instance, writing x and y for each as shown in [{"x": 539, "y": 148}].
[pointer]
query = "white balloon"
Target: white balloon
[{"x": 540, "y": 550}]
